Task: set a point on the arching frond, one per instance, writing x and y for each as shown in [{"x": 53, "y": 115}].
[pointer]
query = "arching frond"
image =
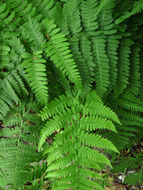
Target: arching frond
[
  {"x": 36, "y": 74},
  {"x": 57, "y": 48},
  {"x": 74, "y": 143}
]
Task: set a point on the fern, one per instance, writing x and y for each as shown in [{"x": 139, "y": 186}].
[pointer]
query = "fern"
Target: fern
[
  {"x": 112, "y": 52},
  {"x": 34, "y": 34},
  {"x": 89, "y": 17},
  {"x": 129, "y": 109},
  {"x": 80, "y": 62},
  {"x": 37, "y": 78},
  {"x": 36, "y": 180},
  {"x": 124, "y": 66},
  {"x": 66, "y": 163},
  {"x": 106, "y": 22},
  {"x": 134, "y": 83},
  {"x": 22, "y": 9},
  {"x": 72, "y": 16},
  {"x": 58, "y": 51},
  {"x": 136, "y": 8},
  {"x": 18, "y": 146},
  {"x": 44, "y": 7},
  {"x": 7, "y": 17},
  {"x": 102, "y": 65},
  {"x": 82, "y": 54},
  {"x": 13, "y": 85}
]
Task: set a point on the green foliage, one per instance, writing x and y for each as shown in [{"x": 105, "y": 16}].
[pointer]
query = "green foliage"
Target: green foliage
[
  {"x": 37, "y": 78},
  {"x": 134, "y": 178},
  {"x": 18, "y": 145},
  {"x": 131, "y": 162},
  {"x": 79, "y": 65},
  {"x": 75, "y": 150},
  {"x": 36, "y": 180}
]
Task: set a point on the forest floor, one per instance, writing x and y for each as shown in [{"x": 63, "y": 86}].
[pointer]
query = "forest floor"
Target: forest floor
[{"x": 128, "y": 172}]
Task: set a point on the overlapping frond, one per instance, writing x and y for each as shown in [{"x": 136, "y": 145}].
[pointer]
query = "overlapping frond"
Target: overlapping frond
[
  {"x": 7, "y": 17},
  {"x": 12, "y": 83},
  {"x": 18, "y": 146},
  {"x": 56, "y": 106},
  {"x": 105, "y": 19},
  {"x": 57, "y": 48},
  {"x": 81, "y": 50},
  {"x": 36, "y": 74},
  {"x": 31, "y": 31},
  {"x": 129, "y": 109},
  {"x": 22, "y": 10},
  {"x": 89, "y": 17},
  {"x": 102, "y": 66},
  {"x": 72, "y": 16},
  {"x": 134, "y": 80},
  {"x": 44, "y": 7},
  {"x": 123, "y": 66},
  {"x": 112, "y": 52}
]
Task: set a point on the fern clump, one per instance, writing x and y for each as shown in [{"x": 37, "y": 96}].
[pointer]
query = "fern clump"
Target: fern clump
[{"x": 79, "y": 65}]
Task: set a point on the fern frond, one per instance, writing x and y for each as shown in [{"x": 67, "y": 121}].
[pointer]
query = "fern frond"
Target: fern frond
[
  {"x": 136, "y": 8},
  {"x": 8, "y": 17},
  {"x": 130, "y": 116},
  {"x": 130, "y": 105},
  {"x": 18, "y": 148},
  {"x": 81, "y": 50},
  {"x": 96, "y": 141},
  {"x": 85, "y": 48},
  {"x": 105, "y": 19},
  {"x": 36, "y": 75},
  {"x": 129, "y": 109},
  {"x": 134, "y": 81},
  {"x": 6, "y": 103},
  {"x": 56, "y": 106},
  {"x": 72, "y": 16},
  {"x": 57, "y": 48},
  {"x": 12, "y": 75},
  {"x": 92, "y": 96},
  {"x": 7, "y": 87},
  {"x": 74, "y": 148},
  {"x": 89, "y": 17},
  {"x": 101, "y": 111},
  {"x": 32, "y": 32},
  {"x": 44, "y": 7},
  {"x": 37, "y": 176},
  {"x": 102, "y": 76},
  {"x": 131, "y": 123},
  {"x": 4, "y": 52},
  {"x": 23, "y": 10},
  {"x": 112, "y": 52},
  {"x": 123, "y": 66},
  {"x": 120, "y": 140},
  {"x": 103, "y": 4},
  {"x": 65, "y": 50},
  {"x": 16, "y": 44}
]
